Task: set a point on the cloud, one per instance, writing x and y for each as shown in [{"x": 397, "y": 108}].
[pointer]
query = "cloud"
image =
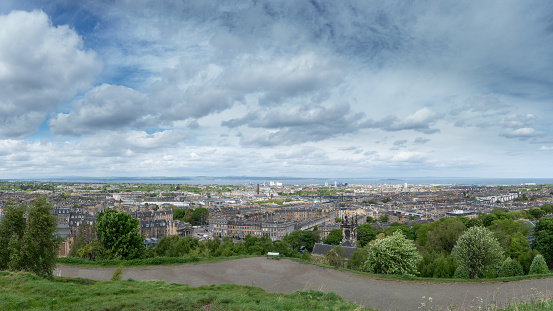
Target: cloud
[
  {"x": 421, "y": 140},
  {"x": 545, "y": 148},
  {"x": 522, "y": 133},
  {"x": 296, "y": 125},
  {"x": 106, "y": 107},
  {"x": 420, "y": 121},
  {"x": 40, "y": 66}
]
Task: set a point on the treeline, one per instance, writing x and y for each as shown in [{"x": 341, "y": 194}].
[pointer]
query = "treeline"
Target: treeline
[{"x": 498, "y": 241}]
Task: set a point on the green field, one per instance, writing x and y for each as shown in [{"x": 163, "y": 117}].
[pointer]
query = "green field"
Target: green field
[{"x": 24, "y": 291}]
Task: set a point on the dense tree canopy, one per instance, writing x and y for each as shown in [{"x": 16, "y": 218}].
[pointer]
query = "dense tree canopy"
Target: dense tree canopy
[
  {"x": 119, "y": 234},
  {"x": 543, "y": 232}
]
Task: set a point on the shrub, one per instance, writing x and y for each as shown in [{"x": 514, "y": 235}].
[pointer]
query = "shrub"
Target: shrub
[{"x": 538, "y": 265}]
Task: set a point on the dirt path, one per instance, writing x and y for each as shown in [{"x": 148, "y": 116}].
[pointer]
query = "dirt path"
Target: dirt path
[{"x": 286, "y": 276}]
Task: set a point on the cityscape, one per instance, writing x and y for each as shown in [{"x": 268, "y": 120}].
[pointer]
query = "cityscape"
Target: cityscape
[{"x": 276, "y": 155}]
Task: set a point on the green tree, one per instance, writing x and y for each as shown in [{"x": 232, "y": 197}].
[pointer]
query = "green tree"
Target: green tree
[
  {"x": 200, "y": 216},
  {"x": 526, "y": 259},
  {"x": 538, "y": 266},
  {"x": 335, "y": 256},
  {"x": 357, "y": 260},
  {"x": 510, "y": 267},
  {"x": 365, "y": 234},
  {"x": 85, "y": 234},
  {"x": 393, "y": 255},
  {"x": 119, "y": 233},
  {"x": 334, "y": 237},
  {"x": 477, "y": 252},
  {"x": 383, "y": 218},
  {"x": 12, "y": 227},
  {"x": 444, "y": 236},
  {"x": 537, "y": 212},
  {"x": 299, "y": 238},
  {"x": 39, "y": 244},
  {"x": 543, "y": 232}
]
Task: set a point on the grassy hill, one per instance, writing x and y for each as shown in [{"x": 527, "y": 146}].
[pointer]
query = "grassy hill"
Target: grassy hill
[{"x": 24, "y": 291}]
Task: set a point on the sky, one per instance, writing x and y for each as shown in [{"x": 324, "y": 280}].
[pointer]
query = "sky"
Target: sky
[{"x": 143, "y": 88}]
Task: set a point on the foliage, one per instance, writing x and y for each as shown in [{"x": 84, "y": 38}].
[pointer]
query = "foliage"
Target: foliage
[
  {"x": 393, "y": 255},
  {"x": 370, "y": 220},
  {"x": 437, "y": 265},
  {"x": 537, "y": 212},
  {"x": 538, "y": 266},
  {"x": 24, "y": 292},
  {"x": 335, "y": 256},
  {"x": 117, "y": 273},
  {"x": 383, "y": 218},
  {"x": 478, "y": 252},
  {"x": 85, "y": 234},
  {"x": 543, "y": 232},
  {"x": 119, "y": 234},
  {"x": 299, "y": 238},
  {"x": 94, "y": 250},
  {"x": 405, "y": 229},
  {"x": 12, "y": 227},
  {"x": 334, "y": 237},
  {"x": 444, "y": 235},
  {"x": 357, "y": 260},
  {"x": 32, "y": 248},
  {"x": 525, "y": 259},
  {"x": 510, "y": 267},
  {"x": 365, "y": 234}
]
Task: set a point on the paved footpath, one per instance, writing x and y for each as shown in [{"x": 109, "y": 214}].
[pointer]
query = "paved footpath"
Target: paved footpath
[{"x": 286, "y": 276}]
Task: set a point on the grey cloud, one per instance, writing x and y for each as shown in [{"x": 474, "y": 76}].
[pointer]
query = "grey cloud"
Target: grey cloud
[
  {"x": 522, "y": 133},
  {"x": 106, "y": 107},
  {"x": 41, "y": 65},
  {"x": 420, "y": 121},
  {"x": 518, "y": 121},
  {"x": 421, "y": 140},
  {"x": 297, "y": 125}
]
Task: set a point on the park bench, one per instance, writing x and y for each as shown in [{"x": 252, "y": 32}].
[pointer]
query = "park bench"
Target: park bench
[{"x": 273, "y": 255}]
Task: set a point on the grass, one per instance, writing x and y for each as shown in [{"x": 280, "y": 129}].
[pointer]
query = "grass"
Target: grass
[
  {"x": 24, "y": 291},
  {"x": 154, "y": 261}
]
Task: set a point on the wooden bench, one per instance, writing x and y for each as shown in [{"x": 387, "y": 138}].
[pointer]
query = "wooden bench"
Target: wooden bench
[{"x": 273, "y": 255}]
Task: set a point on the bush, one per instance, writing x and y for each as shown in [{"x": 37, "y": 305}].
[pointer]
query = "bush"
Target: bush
[
  {"x": 393, "y": 255},
  {"x": 462, "y": 272},
  {"x": 538, "y": 265},
  {"x": 510, "y": 267}
]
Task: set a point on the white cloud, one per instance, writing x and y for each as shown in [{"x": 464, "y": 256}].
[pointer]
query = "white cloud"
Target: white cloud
[{"x": 40, "y": 66}]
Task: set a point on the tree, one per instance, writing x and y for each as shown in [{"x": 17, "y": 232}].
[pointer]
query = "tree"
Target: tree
[
  {"x": 119, "y": 234},
  {"x": 39, "y": 244},
  {"x": 543, "y": 232},
  {"x": 12, "y": 227},
  {"x": 444, "y": 236},
  {"x": 393, "y": 255},
  {"x": 335, "y": 256},
  {"x": 370, "y": 220},
  {"x": 299, "y": 238},
  {"x": 510, "y": 267},
  {"x": 538, "y": 265},
  {"x": 85, "y": 234},
  {"x": 537, "y": 212},
  {"x": 334, "y": 237},
  {"x": 383, "y": 218},
  {"x": 477, "y": 252},
  {"x": 200, "y": 215},
  {"x": 365, "y": 234}
]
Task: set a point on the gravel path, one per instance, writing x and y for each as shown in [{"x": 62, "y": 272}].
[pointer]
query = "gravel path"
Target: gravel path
[{"x": 286, "y": 276}]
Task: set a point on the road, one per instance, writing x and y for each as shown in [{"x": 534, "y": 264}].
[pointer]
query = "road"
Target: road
[{"x": 287, "y": 276}]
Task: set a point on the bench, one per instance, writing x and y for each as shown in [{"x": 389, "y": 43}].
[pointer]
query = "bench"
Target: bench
[{"x": 273, "y": 255}]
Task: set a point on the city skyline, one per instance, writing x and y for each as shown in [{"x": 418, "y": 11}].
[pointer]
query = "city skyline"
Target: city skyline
[{"x": 301, "y": 89}]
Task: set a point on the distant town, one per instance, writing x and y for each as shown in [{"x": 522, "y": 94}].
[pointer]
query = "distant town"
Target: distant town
[{"x": 235, "y": 211}]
